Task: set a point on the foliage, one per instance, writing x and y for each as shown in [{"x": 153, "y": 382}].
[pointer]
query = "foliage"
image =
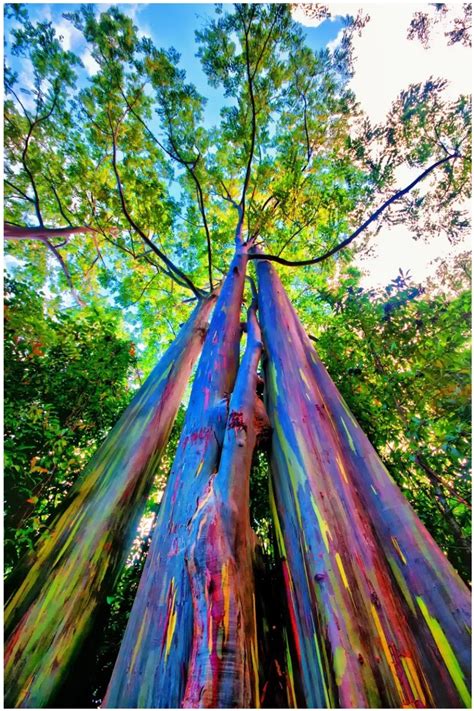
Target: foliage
[
  {"x": 67, "y": 379},
  {"x": 459, "y": 29},
  {"x": 289, "y": 132}
]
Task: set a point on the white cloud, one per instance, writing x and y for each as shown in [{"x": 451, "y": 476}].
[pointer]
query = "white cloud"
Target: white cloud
[
  {"x": 336, "y": 9},
  {"x": 299, "y": 15},
  {"x": 386, "y": 62},
  {"x": 394, "y": 248},
  {"x": 336, "y": 41},
  {"x": 89, "y": 63},
  {"x": 70, "y": 37}
]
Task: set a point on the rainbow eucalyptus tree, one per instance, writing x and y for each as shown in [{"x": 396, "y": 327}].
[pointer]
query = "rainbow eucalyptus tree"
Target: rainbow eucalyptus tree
[
  {"x": 380, "y": 618},
  {"x": 49, "y": 617},
  {"x": 223, "y": 669},
  {"x": 163, "y": 192},
  {"x": 198, "y": 611}
]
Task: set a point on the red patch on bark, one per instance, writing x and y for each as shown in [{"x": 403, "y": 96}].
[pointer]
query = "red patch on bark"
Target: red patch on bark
[{"x": 236, "y": 421}]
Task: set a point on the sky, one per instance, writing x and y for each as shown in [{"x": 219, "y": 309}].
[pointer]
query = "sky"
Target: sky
[{"x": 385, "y": 63}]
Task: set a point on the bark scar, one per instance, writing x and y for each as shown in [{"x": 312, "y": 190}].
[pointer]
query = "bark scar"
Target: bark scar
[{"x": 236, "y": 421}]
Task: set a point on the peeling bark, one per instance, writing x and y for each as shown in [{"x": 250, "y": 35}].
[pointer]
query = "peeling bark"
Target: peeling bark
[
  {"x": 49, "y": 617},
  {"x": 152, "y": 666},
  {"x": 379, "y": 616}
]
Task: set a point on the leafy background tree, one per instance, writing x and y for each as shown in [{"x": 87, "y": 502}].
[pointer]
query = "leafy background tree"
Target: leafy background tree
[{"x": 68, "y": 376}]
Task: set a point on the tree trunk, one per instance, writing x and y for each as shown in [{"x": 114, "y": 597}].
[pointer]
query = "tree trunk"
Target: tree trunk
[
  {"x": 49, "y": 617},
  {"x": 223, "y": 669},
  {"x": 152, "y": 666},
  {"x": 379, "y": 616}
]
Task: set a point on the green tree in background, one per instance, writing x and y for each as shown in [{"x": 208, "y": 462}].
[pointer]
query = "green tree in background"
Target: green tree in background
[
  {"x": 67, "y": 379},
  {"x": 401, "y": 360}
]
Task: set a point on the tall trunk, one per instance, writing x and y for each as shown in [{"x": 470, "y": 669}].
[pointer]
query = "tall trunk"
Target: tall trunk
[
  {"x": 49, "y": 617},
  {"x": 223, "y": 668},
  {"x": 152, "y": 665},
  {"x": 379, "y": 616}
]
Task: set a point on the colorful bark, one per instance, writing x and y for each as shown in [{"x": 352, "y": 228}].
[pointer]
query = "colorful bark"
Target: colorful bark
[
  {"x": 379, "y": 616},
  {"x": 223, "y": 668},
  {"x": 49, "y": 617},
  {"x": 16, "y": 232},
  {"x": 152, "y": 666}
]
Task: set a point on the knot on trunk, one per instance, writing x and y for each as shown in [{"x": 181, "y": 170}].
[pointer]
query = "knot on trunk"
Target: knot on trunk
[{"x": 201, "y": 331}]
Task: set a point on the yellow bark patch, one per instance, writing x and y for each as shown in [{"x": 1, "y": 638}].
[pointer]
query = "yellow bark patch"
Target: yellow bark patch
[
  {"x": 342, "y": 469},
  {"x": 398, "y": 549},
  {"x": 226, "y": 593},
  {"x": 340, "y": 664},
  {"x": 304, "y": 378},
  {"x": 171, "y": 620},
  {"x": 138, "y": 642},
  {"x": 342, "y": 571},
  {"x": 351, "y": 441},
  {"x": 323, "y": 526},
  {"x": 387, "y": 653},
  {"x": 413, "y": 679},
  {"x": 401, "y": 583},
  {"x": 446, "y": 652}
]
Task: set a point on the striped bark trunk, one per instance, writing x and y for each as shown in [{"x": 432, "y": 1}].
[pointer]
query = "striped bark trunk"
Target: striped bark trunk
[
  {"x": 49, "y": 617},
  {"x": 152, "y": 666},
  {"x": 223, "y": 669},
  {"x": 379, "y": 616}
]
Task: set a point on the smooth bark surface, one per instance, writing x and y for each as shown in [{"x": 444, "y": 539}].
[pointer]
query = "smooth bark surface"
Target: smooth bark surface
[
  {"x": 49, "y": 617},
  {"x": 152, "y": 666},
  {"x": 379, "y": 616}
]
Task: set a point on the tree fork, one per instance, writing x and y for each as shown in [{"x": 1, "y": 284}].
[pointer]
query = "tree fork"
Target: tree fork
[
  {"x": 152, "y": 666},
  {"x": 49, "y": 617},
  {"x": 379, "y": 616}
]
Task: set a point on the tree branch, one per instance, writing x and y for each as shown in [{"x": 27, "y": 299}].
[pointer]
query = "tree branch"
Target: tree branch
[
  {"x": 172, "y": 267},
  {"x": 65, "y": 270},
  {"x": 20, "y": 192},
  {"x": 372, "y": 218},
  {"x": 309, "y": 151},
  {"x": 58, "y": 202},
  {"x": 204, "y": 221},
  {"x": 241, "y": 208},
  {"x": 190, "y": 167},
  {"x": 12, "y": 231}
]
